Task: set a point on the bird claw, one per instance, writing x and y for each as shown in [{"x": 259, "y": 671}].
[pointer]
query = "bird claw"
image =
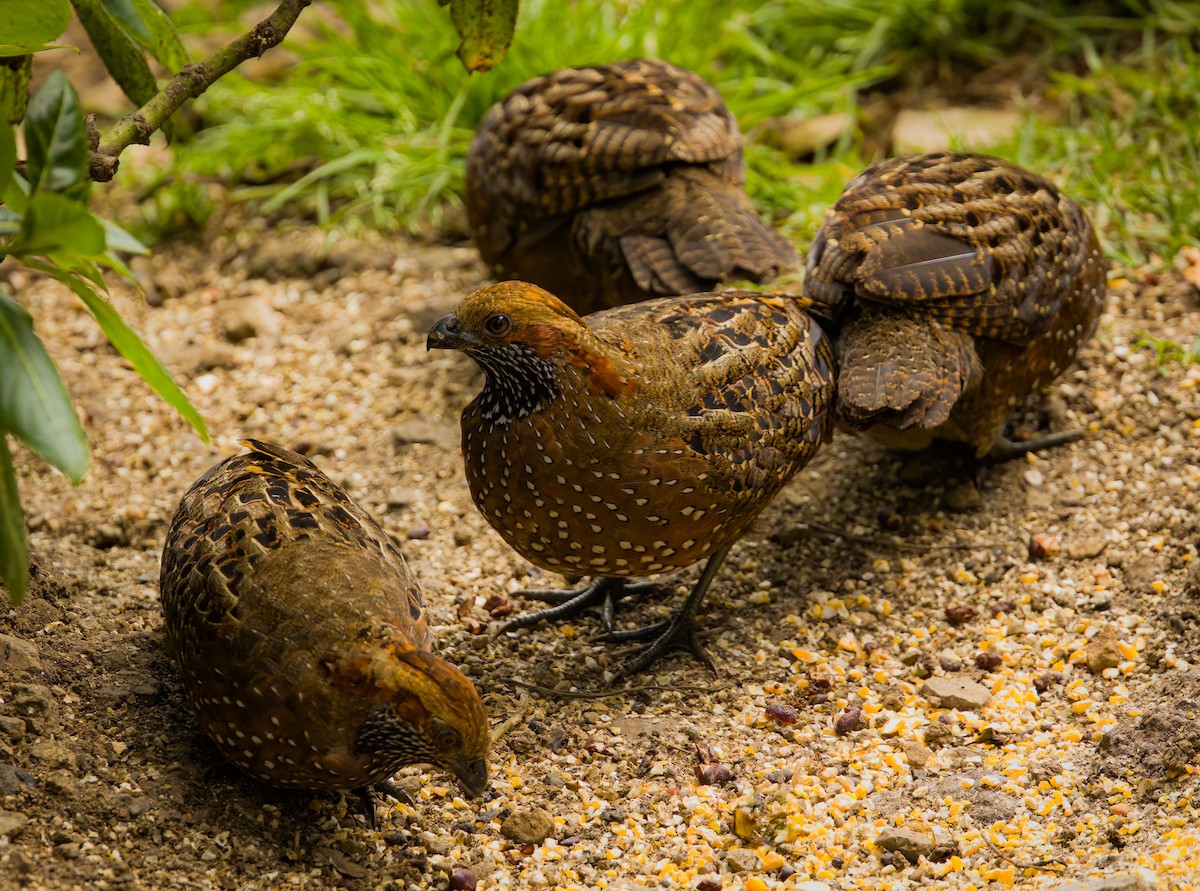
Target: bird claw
[
  {"x": 598, "y": 597},
  {"x": 677, "y": 633}
]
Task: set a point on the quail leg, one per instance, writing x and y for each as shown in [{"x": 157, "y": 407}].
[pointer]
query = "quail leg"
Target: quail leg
[
  {"x": 1004, "y": 449},
  {"x": 599, "y": 597},
  {"x": 677, "y": 632},
  {"x": 384, "y": 787}
]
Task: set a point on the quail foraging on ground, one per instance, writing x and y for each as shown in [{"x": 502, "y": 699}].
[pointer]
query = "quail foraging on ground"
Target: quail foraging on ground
[
  {"x": 616, "y": 183},
  {"x": 960, "y": 284},
  {"x": 637, "y": 440},
  {"x": 300, "y": 634}
]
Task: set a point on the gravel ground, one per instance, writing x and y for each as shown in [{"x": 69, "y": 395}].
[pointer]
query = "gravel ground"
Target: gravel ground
[{"x": 923, "y": 683}]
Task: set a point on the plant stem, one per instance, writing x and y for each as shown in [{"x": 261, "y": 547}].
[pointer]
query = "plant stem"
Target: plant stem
[{"x": 189, "y": 83}]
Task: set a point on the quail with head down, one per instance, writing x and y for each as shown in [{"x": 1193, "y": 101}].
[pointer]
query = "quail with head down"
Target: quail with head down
[
  {"x": 300, "y": 635},
  {"x": 958, "y": 285},
  {"x": 616, "y": 183},
  {"x": 637, "y": 440}
]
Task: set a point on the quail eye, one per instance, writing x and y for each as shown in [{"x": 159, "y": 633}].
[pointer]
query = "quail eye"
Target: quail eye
[
  {"x": 497, "y": 324},
  {"x": 445, "y": 736}
]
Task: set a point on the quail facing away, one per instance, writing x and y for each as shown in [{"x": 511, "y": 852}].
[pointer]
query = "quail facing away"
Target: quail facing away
[
  {"x": 300, "y": 635},
  {"x": 960, "y": 284},
  {"x": 639, "y": 440},
  {"x": 617, "y": 183}
]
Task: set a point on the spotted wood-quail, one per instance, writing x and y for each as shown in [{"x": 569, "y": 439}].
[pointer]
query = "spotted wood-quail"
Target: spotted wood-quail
[
  {"x": 300, "y": 635},
  {"x": 638, "y": 440},
  {"x": 960, "y": 284},
  {"x": 616, "y": 183}
]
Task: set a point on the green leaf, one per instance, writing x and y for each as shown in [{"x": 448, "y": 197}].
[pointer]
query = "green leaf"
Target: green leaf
[
  {"x": 486, "y": 28},
  {"x": 8, "y": 157},
  {"x": 14, "y": 549},
  {"x": 55, "y": 137},
  {"x": 33, "y": 21},
  {"x": 120, "y": 240},
  {"x": 129, "y": 345},
  {"x": 14, "y": 87},
  {"x": 151, "y": 28},
  {"x": 121, "y": 54},
  {"x": 34, "y": 405},
  {"x": 54, "y": 223}
]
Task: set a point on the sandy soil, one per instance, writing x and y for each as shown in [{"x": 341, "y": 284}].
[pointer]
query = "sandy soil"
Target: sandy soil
[{"x": 876, "y": 594}]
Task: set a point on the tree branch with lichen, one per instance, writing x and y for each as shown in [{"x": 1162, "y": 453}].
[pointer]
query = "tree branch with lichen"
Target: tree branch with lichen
[{"x": 189, "y": 83}]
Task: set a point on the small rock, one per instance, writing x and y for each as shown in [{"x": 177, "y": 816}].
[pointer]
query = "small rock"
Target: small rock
[
  {"x": 14, "y": 780},
  {"x": 528, "y": 827},
  {"x": 11, "y": 823},
  {"x": 988, "y": 660},
  {"x": 13, "y": 728},
  {"x": 781, "y": 713},
  {"x": 848, "y": 721},
  {"x": 248, "y": 317},
  {"x": 106, "y": 536},
  {"x": 462, "y": 879},
  {"x": 417, "y": 431},
  {"x": 781, "y": 775},
  {"x": 740, "y": 860},
  {"x": 419, "y": 532},
  {"x": 67, "y": 851},
  {"x": 917, "y": 754},
  {"x": 1043, "y": 546},
  {"x": 959, "y": 613},
  {"x": 53, "y": 754},
  {"x": 1102, "y": 651},
  {"x": 963, "y": 497},
  {"x": 1087, "y": 548},
  {"x": 709, "y": 883},
  {"x": 956, "y": 693},
  {"x": 908, "y": 842},
  {"x": 398, "y": 499},
  {"x": 18, "y": 656},
  {"x": 1034, "y": 477}
]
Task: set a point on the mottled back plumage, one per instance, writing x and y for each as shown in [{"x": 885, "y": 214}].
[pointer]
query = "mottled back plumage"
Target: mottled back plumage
[
  {"x": 959, "y": 284},
  {"x": 643, "y": 438},
  {"x": 615, "y": 183},
  {"x": 300, "y": 634}
]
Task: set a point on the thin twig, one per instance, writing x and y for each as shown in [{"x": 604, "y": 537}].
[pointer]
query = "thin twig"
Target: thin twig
[
  {"x": 1043, "y": 864},
  {"x": 624, "y": 691},
  {"x": 190, "y": 82},
  {"x": 512, "y": 720}
]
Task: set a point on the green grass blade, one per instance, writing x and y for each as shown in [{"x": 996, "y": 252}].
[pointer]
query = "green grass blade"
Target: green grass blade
[
  {"x": 14, "y": 549},
  {"x": 129, "y": 345}
]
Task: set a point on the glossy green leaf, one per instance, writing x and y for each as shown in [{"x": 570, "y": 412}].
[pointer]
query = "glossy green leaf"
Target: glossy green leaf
[
  {"x": 14, "y": 549},
  {"x": 122, "y": 55},
  {"x": 55, "y": 224},
  {"x": 34, "y": 405},
  {"x": 486, "y": 28},
  {"x": 129, "y": 345},
  {"x": 14, "y": 86},
  {"x": 55, "y": 137},
  {"x": 151, "y": 28},
  {"x": 121, "y": 240},
  {"x": 8, "y": 157},
  {"x": 31, "y": 22}
]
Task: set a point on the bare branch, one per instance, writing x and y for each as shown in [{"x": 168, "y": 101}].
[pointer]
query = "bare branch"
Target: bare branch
[{"x": 189, "y": 83}]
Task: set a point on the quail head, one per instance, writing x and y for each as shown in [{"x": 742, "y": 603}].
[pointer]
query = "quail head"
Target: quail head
[
  {"x": 300, "y": 635},
  {"x": 636, "y": 440},
  {"x": 958, "y": 284},
  {"x": 616, "y": 183}
]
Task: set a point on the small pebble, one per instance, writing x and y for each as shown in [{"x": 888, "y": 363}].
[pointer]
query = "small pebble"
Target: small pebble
[
  {"x": 956, "y": 693},
  {"x": 462, "y": 879},
  {"x": 1043, "y": 546},
  {"x": 848, "y": 721},
  {"x": 959, "y": 613}
]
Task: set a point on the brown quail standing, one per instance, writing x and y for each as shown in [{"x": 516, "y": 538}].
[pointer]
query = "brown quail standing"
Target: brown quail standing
[
  {"x": 638, "y": 440},
  {"x": 300, "y": 635},
  {"x": 960, "y": 285},
  {"x": 616, "y": 183}
]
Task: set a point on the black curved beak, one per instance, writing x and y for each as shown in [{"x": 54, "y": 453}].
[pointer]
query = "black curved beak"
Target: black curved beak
[
  {"x": 472, "y": 775},
  {"x": 447, "y": 333}
]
